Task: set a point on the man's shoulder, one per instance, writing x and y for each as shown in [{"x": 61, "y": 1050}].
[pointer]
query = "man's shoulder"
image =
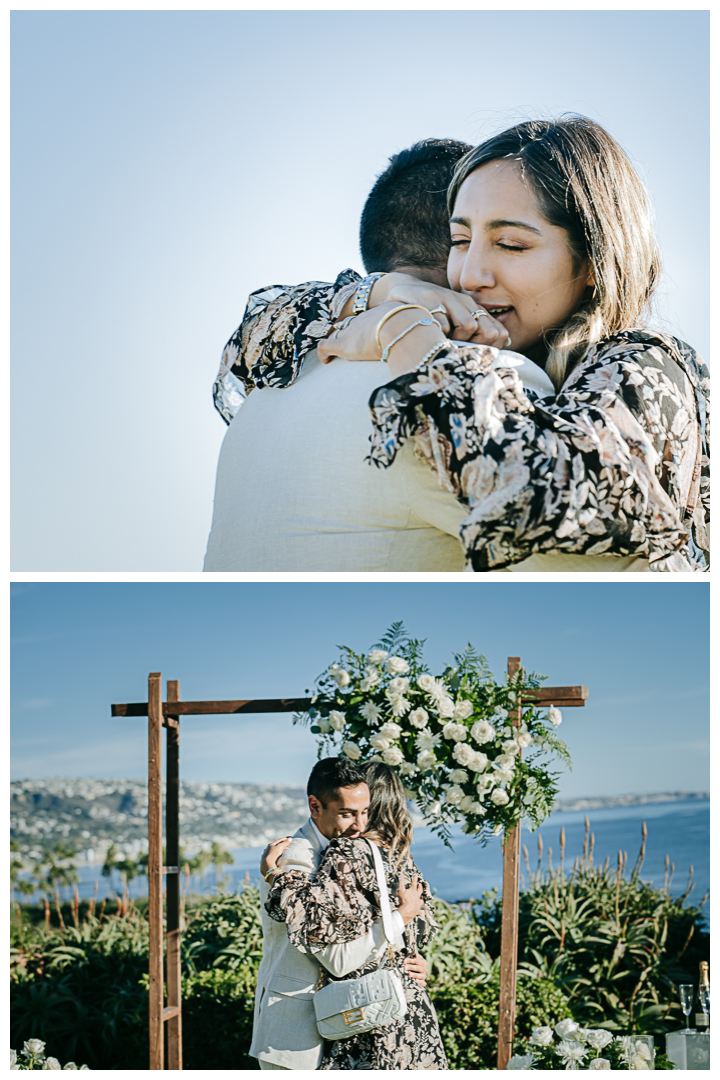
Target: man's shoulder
[{"x": 303, "y": 852}]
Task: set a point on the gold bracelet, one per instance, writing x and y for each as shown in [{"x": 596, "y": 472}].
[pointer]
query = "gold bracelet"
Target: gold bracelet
[
  {"x": 389, "y": 315},
  {"x": 403, "y": 333}
]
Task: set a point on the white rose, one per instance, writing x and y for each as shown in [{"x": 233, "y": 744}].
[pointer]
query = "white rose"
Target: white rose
[
  {"x": 463, "y": 709},
  {"x": 407, "y": 768},
  {"x": 643, "y": 1050},
  {"x": 455, "y": 732},
  {"x": 541, "y": 1036},
  {"x": 485, "y": 783},
  {"x": 479, "y": 761},
  {"x": 524, "y": 738},
  {"x": 445, "y": 707},
  {"x": 33, "y": 1046},
  {"x": 482, "y": 732},
  {"x": 72, "y": 1065},
  {"x": 370, "y": 712},
  {"x": 466, "y": 802},
  {"x": 379, "y": 742},
  {"x": 418, "y": 718},
  {"x": 372, "y": 678},
  {"x": 599, "y": 1063},
  {"x": 458, "y": 776},
  {"x": 510, "y": 747},
  {"x": 478, "y": 809},
  {"x": 352, "y": 750},
  {"x": 391, "y": 730},
  {"x": 51, "y": 1063},
  {"x": 426, "y": 760},
  {"x": 427, "y": 741},
  {"x": 500, "y": 797},
  {"x": 399, "y": 686},
  {"x": 566, "y": 1027},
  {"x": 376, "y": 656},
  {"x": 638, "y": 1062},
  {"x": 337, "y": 720},
  {"x": 455, "y": 795},
  {"x": 554, "y": 716},
  {"x": 396, "y": 665},
  {"x": 426, "y": 683},
  {"x": 324, "y": 724},
  {"x": 393, "y": 756},
  {"x": 521, "y": 1061},
  {"x": 464, "y": 754},
  {"x": 598, "y": 1038}
]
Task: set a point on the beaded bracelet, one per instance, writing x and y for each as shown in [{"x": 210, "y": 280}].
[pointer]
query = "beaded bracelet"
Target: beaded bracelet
[
  {"x": 389, "y": 315},
  {"x": 418, "y": 322},
  {"x": 362, "y": 296}
]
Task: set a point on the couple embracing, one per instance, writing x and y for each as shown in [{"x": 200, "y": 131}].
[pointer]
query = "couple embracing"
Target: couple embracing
[{"x": 345, "y": 912}]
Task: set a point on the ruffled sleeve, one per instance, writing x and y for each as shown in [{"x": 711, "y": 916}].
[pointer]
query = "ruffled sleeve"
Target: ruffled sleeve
[
  {"x": 616, "y": 464},
  {"x": 281, "y": 325}
]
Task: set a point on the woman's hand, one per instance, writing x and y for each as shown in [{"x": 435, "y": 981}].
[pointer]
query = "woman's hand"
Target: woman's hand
[
  {"x": 272, "y": 853},
  {"x": 411, "y": 900},
  {"x": 358, "y": 340},
  {"x": 455, "y": 318},
  {"x": 416, "y": 966}
]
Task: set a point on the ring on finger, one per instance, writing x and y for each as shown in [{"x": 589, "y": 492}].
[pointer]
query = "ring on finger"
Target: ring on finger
[
  {"x": 439, "y": 310},
  {"x": 478, "y": 314}
]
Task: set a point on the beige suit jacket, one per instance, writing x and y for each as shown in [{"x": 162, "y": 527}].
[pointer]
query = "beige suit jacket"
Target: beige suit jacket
[{"x": 284, "y": 1028}]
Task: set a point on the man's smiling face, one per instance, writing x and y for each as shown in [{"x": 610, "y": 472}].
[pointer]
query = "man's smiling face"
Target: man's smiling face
[{"x": 344, "y": 815}]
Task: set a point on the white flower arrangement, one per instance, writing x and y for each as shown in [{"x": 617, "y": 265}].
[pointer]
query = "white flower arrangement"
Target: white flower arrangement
[
  {"x": 570, "y": 1046},
  {"x": 32, "y": 1056},
  {"x": 457, "y": 740}
]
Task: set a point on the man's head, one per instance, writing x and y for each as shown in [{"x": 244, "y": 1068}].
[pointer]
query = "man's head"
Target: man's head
[
  {"x": 338, "y": 797},
  {"x": 404, "y": 224}
]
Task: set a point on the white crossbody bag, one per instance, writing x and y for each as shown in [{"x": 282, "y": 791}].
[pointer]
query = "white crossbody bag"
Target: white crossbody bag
[{"x": 351, "y": 1006}]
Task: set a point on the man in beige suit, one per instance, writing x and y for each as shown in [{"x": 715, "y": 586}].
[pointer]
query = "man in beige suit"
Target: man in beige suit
[{"x": 285, "y": 1034}]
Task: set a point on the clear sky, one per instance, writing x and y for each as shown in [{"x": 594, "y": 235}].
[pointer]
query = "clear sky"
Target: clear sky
[
  {"x": 641, "y": 648},
  {"x": 167, "y": 163}
]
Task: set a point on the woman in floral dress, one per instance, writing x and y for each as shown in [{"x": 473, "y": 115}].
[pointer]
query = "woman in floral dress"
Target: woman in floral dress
[
  {"x": 341, "y": 904},
  {"x": 553, "y": 252}
]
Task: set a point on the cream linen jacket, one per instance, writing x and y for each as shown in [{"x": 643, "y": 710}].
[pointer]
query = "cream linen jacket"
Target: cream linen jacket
[
  {"x": 284, "y": 1028},
  {"x": 294, "y": 491}
]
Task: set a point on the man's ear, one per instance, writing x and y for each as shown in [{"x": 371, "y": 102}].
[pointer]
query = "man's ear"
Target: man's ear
[{"x": 315, "y": 806}]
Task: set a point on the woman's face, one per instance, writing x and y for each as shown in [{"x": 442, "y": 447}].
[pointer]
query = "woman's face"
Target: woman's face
[{"x": 509, "y": 258}]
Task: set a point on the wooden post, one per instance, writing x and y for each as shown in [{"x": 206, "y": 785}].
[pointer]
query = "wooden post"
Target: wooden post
[
  {"x": 172, "y": 829},
  {"x": 510, "y": 913},
  {"x": 155, "y": 877}
]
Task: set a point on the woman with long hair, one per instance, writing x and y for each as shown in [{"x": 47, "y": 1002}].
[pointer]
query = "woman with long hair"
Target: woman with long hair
[
  {"x": 553, "y": 255},
  {"x": 341, "y": 904}
]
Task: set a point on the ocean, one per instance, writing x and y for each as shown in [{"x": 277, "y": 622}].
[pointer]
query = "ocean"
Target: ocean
[{"x": 679, "y": 829}]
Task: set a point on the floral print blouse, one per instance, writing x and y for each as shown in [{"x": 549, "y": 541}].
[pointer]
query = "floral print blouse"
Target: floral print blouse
[{"x": 616, "y": 464}]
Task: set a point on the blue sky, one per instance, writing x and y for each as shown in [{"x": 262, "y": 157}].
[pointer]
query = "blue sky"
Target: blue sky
[
  {"x": 641, "y": 648},
  {"x": 166, "y": 163}
]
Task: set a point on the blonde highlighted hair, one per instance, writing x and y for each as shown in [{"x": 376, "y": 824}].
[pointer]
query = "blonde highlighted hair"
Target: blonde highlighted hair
[
  {"x": 389, "y": 822},
  {"x": 585, "y": 183}
]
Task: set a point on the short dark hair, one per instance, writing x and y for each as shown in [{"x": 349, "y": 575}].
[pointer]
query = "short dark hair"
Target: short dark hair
[
  {"x": 332, "y": 773},
  {"x": 405, "y": 218}
]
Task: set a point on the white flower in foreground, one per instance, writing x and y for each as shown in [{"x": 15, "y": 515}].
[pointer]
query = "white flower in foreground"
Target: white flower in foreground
[
  {"x": 393, "y": 756},
  {"x": 477, "y": 808},
  {"x": 464, "y": 754},
  {"x": 541, "y": 1036},
  {"x": 391, "y": 730},
  {"x": 352, "y": 750},
  {"x": 639, "y": 1062},
  {"x": 379, "y": 742},
  {"x": 454, "y": 795},
  {"x": 571, "y": 1050},
  {"x": 458, "y": 776},
  {"x": 485, "y": 783},
  {"x": 376, "y": 656},
  {"x": 396, "y": 665},
  {"x": 521, "y": 1061},
  {"x": 324, "y": 724},
  {"x": 466, "y": 802},
  {"x": 499, "y": 797},
  {"x": 51, "y": 1063},
  {"x": 426, "y": 683},
  {"x": 408, "y": 768},
  {"x": 338, "y": 675},
  {"x": 643, "y": 1050},
  {"x": 370, "y": 712},
  {"x": 337, "y": 720},
  {"x": 482, "y": 732},
  {"x": 437, "y": 690},
  {"x": 418, "y": 718},
  {"x": 511, "y": 747},
  {"x": 598, "y": 1038},
  {"x": 371, "y": 680},
  {"x": 375, "y": 757},
  {"x": 463, "y": 709},
  {"x": 72, "y": 1065},
  {"x": 399, "y": 705},
  {"x": 427, "y": 741},
  {"x": 445, "y": 707},
  {"x": 502, "y": 773},
  {"x": 399, "y": 686},
  {"x": 566, "y": 1027},
  {"x": 554, "y": 716},
  {"x": 524, "y": 738},
  {"x": 13, "y": 1058},
  {"x": 455, "y": 732},
  {"x": 33, "y": 1046},
  {"x": 479, "y": 761},
  {"x": 599, "y": 1063},
  {"x": 426, "y": 760}
]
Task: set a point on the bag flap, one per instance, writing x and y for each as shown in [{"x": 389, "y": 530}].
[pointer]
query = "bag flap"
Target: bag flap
[{"x": 340, "y": 997}]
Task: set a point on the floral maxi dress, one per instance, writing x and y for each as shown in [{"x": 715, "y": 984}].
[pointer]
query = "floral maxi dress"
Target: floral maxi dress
[{"x": 337, "y": 907}]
